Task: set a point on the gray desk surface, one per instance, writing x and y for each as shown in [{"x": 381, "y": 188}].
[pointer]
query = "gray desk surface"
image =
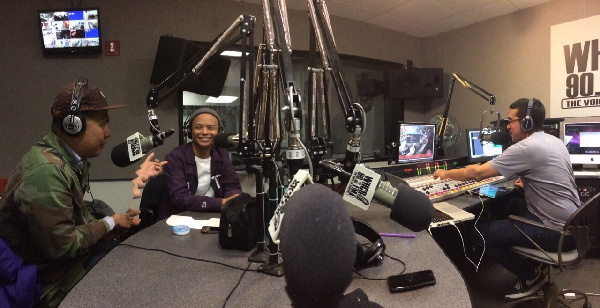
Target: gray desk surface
[{"x": 132, "y": 277}]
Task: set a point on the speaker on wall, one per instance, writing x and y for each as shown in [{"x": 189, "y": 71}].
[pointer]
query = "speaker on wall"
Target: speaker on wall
[
  {"x": 173, "y": 52},
  {"x": 417, "y": 83}
]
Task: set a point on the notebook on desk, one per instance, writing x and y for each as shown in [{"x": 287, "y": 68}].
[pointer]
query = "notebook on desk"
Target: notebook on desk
[{"x": 446, "y": 213}]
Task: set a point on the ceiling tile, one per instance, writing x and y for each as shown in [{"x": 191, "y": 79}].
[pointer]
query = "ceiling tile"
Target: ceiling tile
[
  {"x": 381, "y": 6},
  {"x": 451, "y": 23},
  {"x": 392, "y": 23},
  {"x": 460, "y": 6},
  {"x": 522, "y": 4},
  {"x": 492, "y": 10},
  {"x": 421, "y": 12},
  {"x": 337, "y": 8}
]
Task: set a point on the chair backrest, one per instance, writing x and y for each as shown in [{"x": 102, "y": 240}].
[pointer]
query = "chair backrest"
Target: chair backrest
[
  {"x": 580, "y": 222},
  {"x": 152, "y": 196}
]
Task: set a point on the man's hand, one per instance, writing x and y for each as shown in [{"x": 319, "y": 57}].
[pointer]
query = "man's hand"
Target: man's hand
[
  {"x": 127, "y": 220},
  {"x": 227, "y": 199},
  {"x": 441, "y": 174},
  {"x": 149, "y": 169},
  {"x": 518, "y": 183}
]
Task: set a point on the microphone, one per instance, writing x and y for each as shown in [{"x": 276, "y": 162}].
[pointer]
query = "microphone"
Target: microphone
[
  {"x": 410, "y": 208},
  {"x": 136, "y": 146},
  {"x": 318, "y": 247},
  {"x": 226, "y": 140},
  {"x": 497, "y": 138}
]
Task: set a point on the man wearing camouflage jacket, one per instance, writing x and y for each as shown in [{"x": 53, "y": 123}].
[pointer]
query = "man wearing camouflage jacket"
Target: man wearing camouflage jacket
[{"x": 43, "y": 217}]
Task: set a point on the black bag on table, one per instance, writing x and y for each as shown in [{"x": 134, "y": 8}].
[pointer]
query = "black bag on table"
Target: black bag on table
[{"x": 237, "y": 228}]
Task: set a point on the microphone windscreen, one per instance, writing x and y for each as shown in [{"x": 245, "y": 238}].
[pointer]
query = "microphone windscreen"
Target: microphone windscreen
[
  {"x": 500, "y": 138},
  {"x": 221, "y": 140},
  {"x": 120, "y": 155},
  {"x": 412, "y": 209},
  {"x": 318, "y": 246}
]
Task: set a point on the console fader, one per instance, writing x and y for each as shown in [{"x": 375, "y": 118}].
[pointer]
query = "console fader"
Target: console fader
[{"x": 439, "y": 190}]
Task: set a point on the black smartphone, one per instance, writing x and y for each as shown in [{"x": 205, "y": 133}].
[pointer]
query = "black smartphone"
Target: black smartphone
[
  {"x": 206, "y": 229},
  {"x": 411, "y": 281}
]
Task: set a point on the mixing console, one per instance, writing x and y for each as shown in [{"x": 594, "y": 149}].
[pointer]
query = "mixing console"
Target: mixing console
[{"x": 439, "y": 190}]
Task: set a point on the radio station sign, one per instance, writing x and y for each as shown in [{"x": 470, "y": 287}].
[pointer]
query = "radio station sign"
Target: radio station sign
[{"x": 574, "y": 75}]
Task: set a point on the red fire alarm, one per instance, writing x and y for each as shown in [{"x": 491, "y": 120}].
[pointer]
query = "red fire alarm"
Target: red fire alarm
[{"x": 112, "y": 48}]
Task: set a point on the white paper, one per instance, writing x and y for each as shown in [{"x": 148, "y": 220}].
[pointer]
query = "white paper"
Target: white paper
[{"x": 175, "y": 220}]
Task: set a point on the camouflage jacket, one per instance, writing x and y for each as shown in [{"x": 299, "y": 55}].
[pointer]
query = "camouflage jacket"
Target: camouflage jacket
[{"x": 43, "y": 216}]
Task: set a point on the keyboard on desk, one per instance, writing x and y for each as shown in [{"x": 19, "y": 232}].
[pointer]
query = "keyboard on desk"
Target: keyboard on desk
[
  {"x": 440, "y": 216},
  {"x": 439, "y": 190}
]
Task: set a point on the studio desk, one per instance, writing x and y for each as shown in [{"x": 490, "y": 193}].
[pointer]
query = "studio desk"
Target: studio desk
[
  {"x": 193, "y": 271},
  {"x": 134, "y": 277}
]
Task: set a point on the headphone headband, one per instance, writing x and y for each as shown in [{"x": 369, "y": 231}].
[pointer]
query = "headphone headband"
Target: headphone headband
[
  {"x": 373, "y": 255},
  {"x": 74, "y": 122},
  {"x": 527, "y": 121}
]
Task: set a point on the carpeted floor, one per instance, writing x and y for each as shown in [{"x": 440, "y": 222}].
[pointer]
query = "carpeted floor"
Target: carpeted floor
[{"x": 491, "y": 282}]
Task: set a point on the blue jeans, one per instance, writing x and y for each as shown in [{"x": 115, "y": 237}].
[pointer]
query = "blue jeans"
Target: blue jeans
[{"x": 500, "y": 234}]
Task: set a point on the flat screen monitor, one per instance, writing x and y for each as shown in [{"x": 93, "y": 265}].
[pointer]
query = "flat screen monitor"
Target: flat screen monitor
[
  {"x": 480, "y": 151},
  {"x": 583, "y": 142},
  {"x": 70, "y": 31},
  {"x": 417, "y": 142}
]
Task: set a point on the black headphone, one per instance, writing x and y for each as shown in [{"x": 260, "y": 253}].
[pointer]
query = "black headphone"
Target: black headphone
[
  {"x": 527, "y": 121},
  {"x": 187, "y": 129},
  {"x": 73, "y": 123},
  {"x": 367, "y": 256}
]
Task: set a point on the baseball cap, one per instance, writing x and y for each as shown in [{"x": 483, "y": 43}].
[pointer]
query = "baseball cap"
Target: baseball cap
[{"x": 92, "y": 99}]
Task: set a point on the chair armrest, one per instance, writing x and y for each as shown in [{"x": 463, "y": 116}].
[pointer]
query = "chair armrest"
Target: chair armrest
[{"x": 513, "y": 219}]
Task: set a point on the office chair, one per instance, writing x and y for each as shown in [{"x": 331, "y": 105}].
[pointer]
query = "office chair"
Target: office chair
[
  {"x": 577, "y": 225},
  {"x": 152, "y": 196}
]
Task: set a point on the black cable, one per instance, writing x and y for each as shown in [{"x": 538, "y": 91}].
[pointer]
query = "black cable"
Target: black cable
[
  {"x": 385, "y": 254},
  {"x": 189, "y": 258},
  {"x": 237, "y": 284}
]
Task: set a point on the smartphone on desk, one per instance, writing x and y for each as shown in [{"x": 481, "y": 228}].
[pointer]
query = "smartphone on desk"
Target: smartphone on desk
[
  {"x": 206, "y": 229},
  {"x": 411, "y": 281},
  {"x": 492, "y": 191}
]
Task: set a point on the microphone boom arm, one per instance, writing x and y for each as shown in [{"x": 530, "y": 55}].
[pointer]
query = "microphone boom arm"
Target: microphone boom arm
[
  {"x": 321, "y": 25},
  {"x": 490, "y": 98},
  {"x": 197, "y": 63}
]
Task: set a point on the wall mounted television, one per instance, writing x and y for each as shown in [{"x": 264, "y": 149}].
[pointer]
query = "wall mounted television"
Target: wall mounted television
[{"x": 70, "y": 31}]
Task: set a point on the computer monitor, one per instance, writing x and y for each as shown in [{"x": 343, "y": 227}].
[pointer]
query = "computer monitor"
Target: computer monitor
[
  {"x": 480, "y": 151},
  {"x": 416, "y": 142},
  {"x": 583, "y": 142}
]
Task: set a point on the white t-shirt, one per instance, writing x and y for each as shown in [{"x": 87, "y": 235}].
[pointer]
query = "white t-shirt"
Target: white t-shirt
[{"x": 203, "y": 167}]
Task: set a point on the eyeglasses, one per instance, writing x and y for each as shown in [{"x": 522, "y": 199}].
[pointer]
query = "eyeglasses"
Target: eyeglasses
[{"x": 512, "y": 120}]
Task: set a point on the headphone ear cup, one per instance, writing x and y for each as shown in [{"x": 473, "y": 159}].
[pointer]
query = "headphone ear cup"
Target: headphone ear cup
[
  {"x": 73, "y": 124},
  {"x": 527, "y": 124},
  {"x": 188, "y": 132},
  {"x": 373, "y": 256},
  {"x": 527, "y": 121}
]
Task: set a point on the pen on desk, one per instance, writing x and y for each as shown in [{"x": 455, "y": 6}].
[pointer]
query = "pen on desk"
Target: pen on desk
[{"x": 398, "y": 235}]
